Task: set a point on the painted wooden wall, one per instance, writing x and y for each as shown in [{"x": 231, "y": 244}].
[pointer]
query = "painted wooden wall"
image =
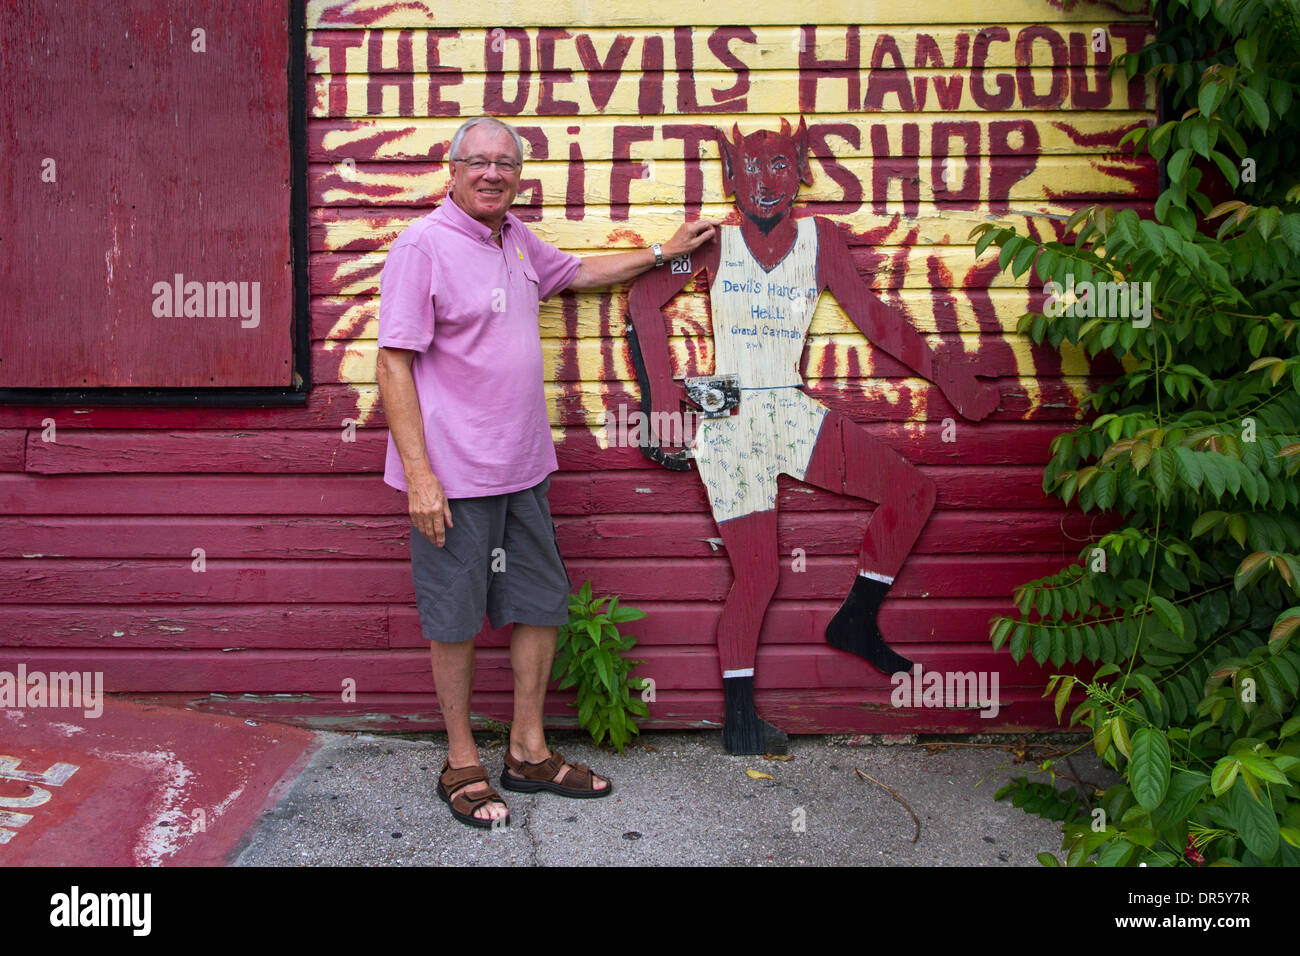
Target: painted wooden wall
[{"x": 926, "y": 120}]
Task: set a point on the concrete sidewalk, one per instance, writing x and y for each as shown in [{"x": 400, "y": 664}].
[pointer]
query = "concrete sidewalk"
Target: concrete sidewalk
[{"x": 678, "y": 799}]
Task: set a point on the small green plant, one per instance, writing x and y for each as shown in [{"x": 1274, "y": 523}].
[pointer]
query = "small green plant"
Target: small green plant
[
  {"x": 590, "y": 656},
  {"x": 500, "y": 732}
]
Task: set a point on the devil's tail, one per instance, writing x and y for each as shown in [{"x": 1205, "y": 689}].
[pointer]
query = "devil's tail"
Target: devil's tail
[{"x": 673, "y": 461}]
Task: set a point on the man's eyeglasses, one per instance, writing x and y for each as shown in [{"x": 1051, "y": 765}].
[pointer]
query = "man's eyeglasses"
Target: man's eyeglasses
[{"x": 477, "y": 164}]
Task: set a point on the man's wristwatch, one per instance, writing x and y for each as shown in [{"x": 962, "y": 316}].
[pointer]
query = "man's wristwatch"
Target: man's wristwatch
[{"x": 659, "y": 254}]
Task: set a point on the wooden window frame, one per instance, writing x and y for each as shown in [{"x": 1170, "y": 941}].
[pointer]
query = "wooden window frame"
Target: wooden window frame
[{"x": 300, "y": 322}]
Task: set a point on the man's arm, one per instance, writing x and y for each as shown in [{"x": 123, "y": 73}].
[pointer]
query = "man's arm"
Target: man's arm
[
  {"x": 598, "y": 272},
  {"x": 427, "y": 503},
  {"x": 891, "y": 331}
]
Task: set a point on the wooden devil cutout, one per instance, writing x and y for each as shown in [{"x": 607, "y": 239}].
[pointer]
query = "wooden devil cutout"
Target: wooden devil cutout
[{"x": 765, "y": 277}]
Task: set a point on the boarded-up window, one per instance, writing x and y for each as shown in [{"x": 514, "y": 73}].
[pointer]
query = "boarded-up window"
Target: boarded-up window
[{"x": 145, "y": 206}]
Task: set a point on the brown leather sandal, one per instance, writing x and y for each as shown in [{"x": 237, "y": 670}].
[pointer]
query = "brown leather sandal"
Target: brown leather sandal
[
  {"x": 452, "y": 782},
  {"x": 579, "y": 782}
]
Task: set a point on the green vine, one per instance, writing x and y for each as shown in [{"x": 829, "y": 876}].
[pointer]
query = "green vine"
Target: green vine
[{"x": 1189, "y": 605}]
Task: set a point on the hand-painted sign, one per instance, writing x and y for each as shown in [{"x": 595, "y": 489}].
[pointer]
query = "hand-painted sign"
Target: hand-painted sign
[{"x": 765, "y": 276}]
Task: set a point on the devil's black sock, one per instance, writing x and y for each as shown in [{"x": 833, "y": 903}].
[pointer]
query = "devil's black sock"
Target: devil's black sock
[
  {"x": 743, "y": 731},
  {"x": 854, "y": 628}
]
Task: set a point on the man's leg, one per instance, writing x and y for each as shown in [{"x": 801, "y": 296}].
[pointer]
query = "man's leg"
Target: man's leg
[
  {"x": 453, "y": 676},
  {"x": 531, "y": 584},
  {"x": 451, "y": 592},
  {"x": 532, "y": 653}
]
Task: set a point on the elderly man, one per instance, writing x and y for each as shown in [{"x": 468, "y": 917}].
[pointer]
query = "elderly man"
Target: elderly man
[{"x": 460, "y": 373}]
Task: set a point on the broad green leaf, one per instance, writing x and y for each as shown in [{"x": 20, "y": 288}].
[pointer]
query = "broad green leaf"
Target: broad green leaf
[
  {"x": 1063, "y": 696},
  {"x": 1040, "y": 643},
  {"x": 1000, "y": 631},
  {"x": 1101, "y": 740},
  {"x": 1104, "y": 489},
  {"x": 1255, "y": 821},
  {"x": 1255, "y": 105},
  {"x": 1223, "y": 775},
  {"x": 1189, "y": 468},
  {"x": 1149, "y": 767},
  {"x": 1214, "y": 473},
  {"x": 1019, "y": 642},
  {"x": 1023, "y": 259},
  {"x": 1292, "y": 726},
  {"x": 1283, "y": 627},
  {"x": 1261, "y": 767},
  {"x": 1177, "y": 168},
  {"x": 1185, "y": 791},
  {"x": 1164, "y": 470},
  {"x": 1117, "y": 853},
  {"x": 1250, "y": 568},
  {"x": 1206, "y": 521},
  {"x": 1119, "y": 733},
  {"x": 1237, "y": 529},
  {"x": 1208, "y": 98},
  {"x": 1168, "y": 614}
]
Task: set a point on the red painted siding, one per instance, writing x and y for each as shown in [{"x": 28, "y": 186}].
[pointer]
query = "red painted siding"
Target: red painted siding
[{"x": 305, "y": 581}]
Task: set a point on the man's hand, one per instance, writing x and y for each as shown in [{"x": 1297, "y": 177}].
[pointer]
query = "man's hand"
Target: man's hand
[
  {"x": 428, "y": 507},
  {"x": 689, "y": 237}
]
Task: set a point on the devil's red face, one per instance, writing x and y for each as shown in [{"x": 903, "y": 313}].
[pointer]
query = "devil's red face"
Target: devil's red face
[{"x": 767, "y": 175}]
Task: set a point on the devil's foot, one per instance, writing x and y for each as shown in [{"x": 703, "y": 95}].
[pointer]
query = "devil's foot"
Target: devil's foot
[
  {"x": 743, "y": 731},
  {"x": 854, "y": 628},
  {"x": 753, "y": 735}
]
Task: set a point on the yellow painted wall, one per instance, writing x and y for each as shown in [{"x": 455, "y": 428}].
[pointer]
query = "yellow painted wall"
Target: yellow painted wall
[{"x": 617, "y": 157}]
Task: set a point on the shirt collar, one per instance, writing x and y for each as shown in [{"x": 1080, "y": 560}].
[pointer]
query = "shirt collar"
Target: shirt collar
[{"x": 471, "y": 226}]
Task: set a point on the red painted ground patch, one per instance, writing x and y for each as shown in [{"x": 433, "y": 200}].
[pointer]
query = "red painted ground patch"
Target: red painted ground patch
[{"x": 148, "y": 786}]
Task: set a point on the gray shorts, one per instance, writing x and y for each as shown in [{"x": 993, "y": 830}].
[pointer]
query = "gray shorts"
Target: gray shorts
[{"x": 499, "y": 558}]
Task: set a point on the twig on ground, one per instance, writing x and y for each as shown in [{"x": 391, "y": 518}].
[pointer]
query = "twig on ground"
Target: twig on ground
[{"x": 894, "y": 793}]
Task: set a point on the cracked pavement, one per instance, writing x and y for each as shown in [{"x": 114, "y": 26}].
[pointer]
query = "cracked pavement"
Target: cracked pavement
[{"x": 369, "y": 800}]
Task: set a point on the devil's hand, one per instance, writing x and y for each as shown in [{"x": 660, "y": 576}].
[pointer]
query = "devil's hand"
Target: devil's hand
[
  {"x": 973, "y": 399},
  {"x": 954, "y": 373},
  {"x": 666, "y": 408}
]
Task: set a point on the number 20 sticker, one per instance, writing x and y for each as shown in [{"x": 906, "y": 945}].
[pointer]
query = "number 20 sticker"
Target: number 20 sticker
[{"x": 681, "y": 265}]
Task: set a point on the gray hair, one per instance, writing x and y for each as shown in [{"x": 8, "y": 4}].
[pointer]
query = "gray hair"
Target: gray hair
[{"x": 469, "y": 124}]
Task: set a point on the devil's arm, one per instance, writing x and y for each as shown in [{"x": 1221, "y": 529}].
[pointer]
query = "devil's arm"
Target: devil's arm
[
  {"x": 650, "y": 293},
  {"x": 889, "y": 328}
]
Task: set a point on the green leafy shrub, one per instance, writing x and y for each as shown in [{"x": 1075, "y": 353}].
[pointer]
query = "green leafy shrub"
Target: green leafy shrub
[
  {"x": 590, "y": 656},
  {"x": 1190, "y": 605}
]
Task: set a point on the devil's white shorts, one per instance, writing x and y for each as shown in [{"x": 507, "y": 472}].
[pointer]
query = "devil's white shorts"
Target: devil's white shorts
[{"x": 773, "y": 432}]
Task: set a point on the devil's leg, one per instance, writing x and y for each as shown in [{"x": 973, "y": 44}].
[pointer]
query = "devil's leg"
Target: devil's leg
[
  {"x": 750, "y": 541},
  {"x": 849, "y": 461}
]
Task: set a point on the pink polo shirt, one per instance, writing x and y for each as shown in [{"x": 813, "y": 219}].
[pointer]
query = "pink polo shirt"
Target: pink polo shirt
[{"x": 470, "y": 310}]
